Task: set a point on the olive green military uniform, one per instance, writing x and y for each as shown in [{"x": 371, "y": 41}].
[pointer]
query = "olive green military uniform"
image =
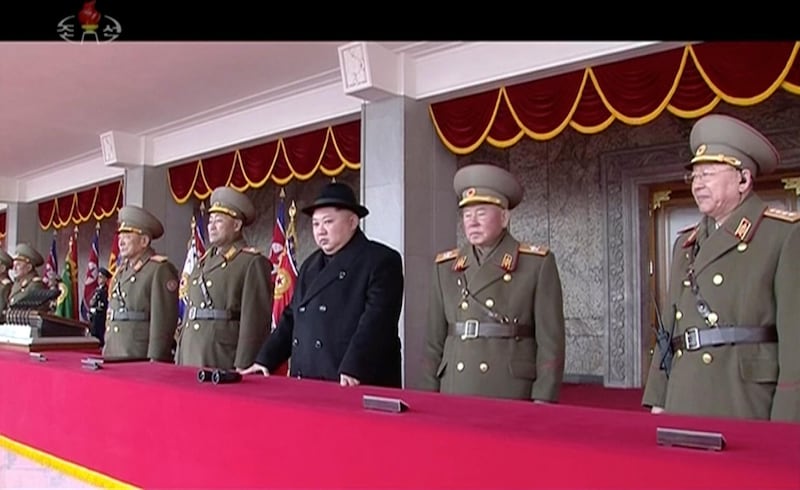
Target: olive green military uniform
[
  {"x": 746, "y": 275},
  {"x": 229, "y": 298},
  {"x": 5, "y": 282},
  {"x": 143, "y": 308},
  {"x": 495, "y": 327},
  {"x": 25, "y": 284}
]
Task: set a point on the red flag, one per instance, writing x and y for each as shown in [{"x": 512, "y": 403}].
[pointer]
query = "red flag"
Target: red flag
[
  {"x": 113, "y": 257},
  {"x": 285, "y": 275},
  {"x": 90, "y": 281},
  {"x": 278, "y": 241}
]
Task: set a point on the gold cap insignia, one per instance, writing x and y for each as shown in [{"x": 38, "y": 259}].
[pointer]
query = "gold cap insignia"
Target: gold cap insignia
[
  {"x": 469, "y": 192},
  {"x": 701, "y": 150}
]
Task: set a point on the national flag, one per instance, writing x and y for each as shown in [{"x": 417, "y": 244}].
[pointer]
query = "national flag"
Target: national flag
[
  {"x": 278, "y": 238},
  {"x": 195, "y": 248},
  {"x": 90, "y": 281},
  {"x": 113, "y": 257},
  {"x": 285, "y": 275},
  {"x": 49, "y": 278},
  {"x": 67, "y": 305}
]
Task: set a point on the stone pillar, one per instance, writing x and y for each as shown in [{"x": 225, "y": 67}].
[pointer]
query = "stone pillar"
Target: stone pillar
[
  {"x": 406, "y": 183},
  {"x": 148, "y": 187},
  {"x": 22, "y": 225}
]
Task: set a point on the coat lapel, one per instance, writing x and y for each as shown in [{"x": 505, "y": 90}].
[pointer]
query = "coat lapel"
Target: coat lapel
[
  {"x": 492, "y": 269},
  {"x": 739, "y": 227},
  {"x": 335, "y": 269}
]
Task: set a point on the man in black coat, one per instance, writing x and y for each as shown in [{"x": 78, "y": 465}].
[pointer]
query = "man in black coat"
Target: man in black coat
[
  {"x": 342, "y": 323},
  {"x": 98, "y": 305}
]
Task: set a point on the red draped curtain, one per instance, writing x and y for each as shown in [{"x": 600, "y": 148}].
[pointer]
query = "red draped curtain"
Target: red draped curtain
[
  {"x": 688, "y": 82},
  {"x": 328, "y": 150},
  {"x": 99, "y": 202}
]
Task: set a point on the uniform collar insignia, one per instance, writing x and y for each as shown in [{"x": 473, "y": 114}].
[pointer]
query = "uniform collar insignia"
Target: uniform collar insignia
[
  {"x": 690, "y": 239},
  {"x": 743, "y": 229},
  {"x": 460, "y": 264}
]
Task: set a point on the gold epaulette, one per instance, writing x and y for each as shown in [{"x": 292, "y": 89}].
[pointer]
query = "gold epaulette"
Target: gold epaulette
[
  {"x": 527, "y": 248},
  {"x": 158, "y": 258},
  {"x": 789, "y": 216},
  {"x": 251, "y": 250},
  {"x": 445, "y": 256}
]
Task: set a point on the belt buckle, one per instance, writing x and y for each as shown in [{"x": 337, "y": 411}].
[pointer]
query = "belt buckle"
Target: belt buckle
[
  {"x": 691, "y": 339},
  {"x": 192, "y": 313},
  {"x": 470, "y": 329}
]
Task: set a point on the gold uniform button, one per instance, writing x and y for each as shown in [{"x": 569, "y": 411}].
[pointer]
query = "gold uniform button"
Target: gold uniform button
[
  {"x": 507, "y": 277},
  {"x": 678, "y": 315},
  {"x": 196, "y": 326},
  {"x": 460, "y": 366},
  {"x": 717, "y": 279},
  {"x": 483, "y": 367},
  {"x": 464, "y": 305},
  {"x": 194, "y": 282},
  {"x": 713, "y": 318},
  {"x": 741, "y": 247},
  {"x": 224, "y": 264},
  {"x": 686, "y": 283},
  {"x": 679, "y": 352},
  {"x": 208, "y": 283},
  {"x": 133, "y": 278},
  {"x": 116, "y": 328},
  {"x": 707, "y": 358},
  {"x": 489, "y": 303}
]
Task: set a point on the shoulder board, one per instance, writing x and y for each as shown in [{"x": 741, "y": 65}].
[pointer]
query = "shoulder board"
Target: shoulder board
[
  {"x": 251, "y": 250},
  {"x": 36, "y": 279},
  {"x": 159, "y": 258},
  {"x": 527, "y": 248},
  {"x": 445, "y": 256},
  {"x": 790, "y": 216},
  {"x": 686, "y": 228}
]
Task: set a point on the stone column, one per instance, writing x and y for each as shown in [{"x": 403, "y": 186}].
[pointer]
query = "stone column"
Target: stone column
[{"x": 22, "y": 225}]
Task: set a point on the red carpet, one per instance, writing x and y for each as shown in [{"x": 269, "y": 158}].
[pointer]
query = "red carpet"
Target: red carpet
[{"x": 597, "y": 396}]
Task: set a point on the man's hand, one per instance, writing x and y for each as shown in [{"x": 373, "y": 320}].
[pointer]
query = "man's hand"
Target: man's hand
[
  {"x": 345, "y": 380},
  {"x": 255, "y": 368},
  {"x": 656, "y": 410}
]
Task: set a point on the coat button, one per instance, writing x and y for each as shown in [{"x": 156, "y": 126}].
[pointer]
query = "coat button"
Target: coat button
[
  {"x": 323, "y": 308},
  {"x": 209, "y": 283},
  {"x": 678, "y": 353},
  {"x": 295, "y": 342},
  {"x": 133, "y": 278},
  {"x": 464, "y": 305},
  {"x": 299, "y": 374},
  {"x": 686, "y": 283},
  {"x": 489, "y": 303},
  {"x": 196, "y": 326},
  {"x": 741, "y": 247},
  {"x": 342, "y": 274},
  {"x": 460, "y": 366},
  {"x": 318, "y": 344},
  {"x": 116, "y": 328},
  {"x": 483, "y": 367},
  {"x": 678, "y": 315},
  {"x": 707, "y": 358},
  {"x": 712, "y": 319},
  {"x": 507, "y": 277},
  {"x": 302, "y": 309},
  {"x": 717, "y": 279}
]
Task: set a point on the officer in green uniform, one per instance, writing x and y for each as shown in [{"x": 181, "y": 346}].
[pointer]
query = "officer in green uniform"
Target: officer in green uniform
[
  {"x": 143, "y": 309},
  {"x": 6, "y": 263},
  {"x": 496, "y": 317},
  {"x": 734, "y": 289},
  {"x": 229, "y": 291},
  {"x": 26, "y": 276}
]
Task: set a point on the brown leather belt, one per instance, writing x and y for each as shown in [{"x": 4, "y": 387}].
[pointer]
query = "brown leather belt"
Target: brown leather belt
[
  {"x": 694, "y": 338},
  {"x": 472, "y": 329}
]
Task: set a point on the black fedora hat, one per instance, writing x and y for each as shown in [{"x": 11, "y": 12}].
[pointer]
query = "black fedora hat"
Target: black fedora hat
[{"x": 337, "y": 195}]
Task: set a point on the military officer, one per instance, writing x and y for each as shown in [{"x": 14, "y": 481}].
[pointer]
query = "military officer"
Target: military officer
[
  {"x": 143, "y": 310},
  {"x": 26, "y": 275},
  {"x": 496, "y": 318},
  {"x": 734, "y": 289},
  {"x": 230, "y": 296}
]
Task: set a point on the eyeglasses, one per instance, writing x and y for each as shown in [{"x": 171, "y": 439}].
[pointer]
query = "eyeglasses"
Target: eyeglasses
[{"x": 703, "y": 175}]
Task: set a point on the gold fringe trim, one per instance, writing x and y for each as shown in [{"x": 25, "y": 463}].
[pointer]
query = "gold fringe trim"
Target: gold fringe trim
[{"x": 65, "y": 467}]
